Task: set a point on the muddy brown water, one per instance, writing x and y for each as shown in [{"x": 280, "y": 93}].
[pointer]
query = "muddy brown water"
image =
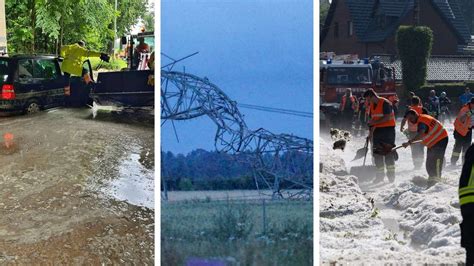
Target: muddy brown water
[{"x": 74, "y": 189}]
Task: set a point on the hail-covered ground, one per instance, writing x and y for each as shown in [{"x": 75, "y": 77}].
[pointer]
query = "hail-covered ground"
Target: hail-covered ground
[{"x": 387, "y": 223}]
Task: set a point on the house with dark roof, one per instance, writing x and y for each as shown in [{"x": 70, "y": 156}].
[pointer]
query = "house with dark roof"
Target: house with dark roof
[{"x": 368, "y": 27}]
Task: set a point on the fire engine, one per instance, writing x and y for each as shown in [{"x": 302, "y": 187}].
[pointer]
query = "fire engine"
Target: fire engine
[{"x": 338, "y": 73}]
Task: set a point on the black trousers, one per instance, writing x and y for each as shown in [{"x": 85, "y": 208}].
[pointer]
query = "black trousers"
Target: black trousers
[
  {"x": 347, "y": 117},
  {"x": 384, "y": 135},
  {"x": 467, "y": 237},
  {"x": 461, "y": 144},
  {"x": 435, "y": 160}
]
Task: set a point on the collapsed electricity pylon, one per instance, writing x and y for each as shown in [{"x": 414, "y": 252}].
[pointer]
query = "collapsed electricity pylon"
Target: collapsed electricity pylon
[{"x": 281, "y": 163}]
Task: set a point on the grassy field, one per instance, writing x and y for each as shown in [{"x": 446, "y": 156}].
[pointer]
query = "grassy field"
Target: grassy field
[{"x": 233, "y": 232}]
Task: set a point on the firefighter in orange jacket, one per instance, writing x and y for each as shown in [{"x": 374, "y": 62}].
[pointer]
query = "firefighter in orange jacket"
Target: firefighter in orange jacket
[
  {"x": 417, "y": 150},
  {"x": 348, "y": 108},
  {"x": 463, "y": 131},
  {"x": 382, "y": 124},
  {"x": 435, "y": 137}
]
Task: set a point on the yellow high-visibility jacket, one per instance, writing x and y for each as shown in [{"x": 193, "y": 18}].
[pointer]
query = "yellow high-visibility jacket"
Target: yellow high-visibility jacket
[{"x": 74, "y": 56}]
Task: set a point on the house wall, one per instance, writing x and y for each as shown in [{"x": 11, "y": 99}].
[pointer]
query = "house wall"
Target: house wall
[
  {"x": 343, "y": 44},
  {"x": 445, "y": 40}
]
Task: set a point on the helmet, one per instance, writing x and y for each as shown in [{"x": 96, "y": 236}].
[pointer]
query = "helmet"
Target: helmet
[{"x": 443, "y": 94}]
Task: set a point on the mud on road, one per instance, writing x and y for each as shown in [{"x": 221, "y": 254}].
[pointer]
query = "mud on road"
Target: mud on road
[{"x": 74, "y": 189}]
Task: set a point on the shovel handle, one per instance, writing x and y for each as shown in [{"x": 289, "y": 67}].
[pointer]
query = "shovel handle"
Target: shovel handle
[{"x": 415, "y": 142}]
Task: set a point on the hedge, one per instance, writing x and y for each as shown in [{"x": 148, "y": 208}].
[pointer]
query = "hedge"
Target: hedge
[
  {"x": 414, "y": 48},
  {"x": 453, "y": 91}
]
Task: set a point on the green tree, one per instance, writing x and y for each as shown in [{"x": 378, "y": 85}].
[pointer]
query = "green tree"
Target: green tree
[
  {"x": 323, "y": 12},
  {"x": 42, "y": 26},
  {"x": 414, "y": 47},
  {"x": 185, "y": 184}
]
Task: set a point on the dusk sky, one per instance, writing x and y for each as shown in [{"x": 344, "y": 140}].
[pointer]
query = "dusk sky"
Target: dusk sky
[{"x": 258, "y": 52}]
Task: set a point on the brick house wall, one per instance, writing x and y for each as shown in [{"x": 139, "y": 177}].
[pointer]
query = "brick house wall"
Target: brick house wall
[
  {"x": 445, "y": 40},
  {"x": 342, "y": 44}
]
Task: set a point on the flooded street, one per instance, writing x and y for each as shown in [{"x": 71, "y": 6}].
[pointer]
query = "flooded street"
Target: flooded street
[{"x": 75, "y": 189}]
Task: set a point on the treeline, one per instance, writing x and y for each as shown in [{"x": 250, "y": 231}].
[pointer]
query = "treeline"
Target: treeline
[
  {"x": 42, "y": 26},
  {"x": 210, "y": 170},
  {"x": 204, "y": 170}
]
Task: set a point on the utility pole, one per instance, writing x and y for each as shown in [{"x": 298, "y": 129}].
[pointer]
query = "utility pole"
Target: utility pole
[{"x": 115, "y": 25}]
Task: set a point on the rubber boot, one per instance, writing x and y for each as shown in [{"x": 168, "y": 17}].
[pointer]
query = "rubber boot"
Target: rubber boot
[
  {"x": 391, "y": 173},
  {"x": 380, "y": 175}
]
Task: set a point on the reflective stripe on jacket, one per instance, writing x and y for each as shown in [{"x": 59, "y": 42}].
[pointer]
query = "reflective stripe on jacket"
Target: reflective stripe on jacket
[
  {"x": 74, "y": 56},
  {"x": 466, "y": 188},
  {"x": 436, "y": 131},
  {"x": 462, "y": 127},
  {"x": 376, "y": 113}
]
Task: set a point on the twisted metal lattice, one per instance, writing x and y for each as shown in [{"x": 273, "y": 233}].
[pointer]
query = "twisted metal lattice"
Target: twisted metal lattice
[{"x": 276, "y": 159}]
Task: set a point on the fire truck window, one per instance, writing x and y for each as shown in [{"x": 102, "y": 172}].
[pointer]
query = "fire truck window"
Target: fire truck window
[{"x": 348, "y": 75}]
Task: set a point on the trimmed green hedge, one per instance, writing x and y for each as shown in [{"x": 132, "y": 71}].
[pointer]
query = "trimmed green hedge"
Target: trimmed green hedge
[
  {"x": 414, "y": 48},
  {"x": 453, "y": 91}
]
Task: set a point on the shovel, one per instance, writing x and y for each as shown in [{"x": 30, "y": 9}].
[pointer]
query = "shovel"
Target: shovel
[
  {"x": 385, "y": 149},
  {"x": 364, "y": 172},
  {"x": 362, "y": 152}
]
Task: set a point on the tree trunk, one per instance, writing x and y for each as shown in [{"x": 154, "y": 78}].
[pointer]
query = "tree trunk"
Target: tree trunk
[
  {"x": 33, "y": 23},
  {"x": 59, "y": 42}
]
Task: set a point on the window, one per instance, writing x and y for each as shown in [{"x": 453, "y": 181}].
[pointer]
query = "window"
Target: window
[
  {"x": 45, "y": 69},
  {"x": 25, "y": 69},
  {"x": 3, "y": 70},
  {"x": 350, "y": 28},
  {"x": 336, "y": 30},
  {"x": 348, "y": 75}
]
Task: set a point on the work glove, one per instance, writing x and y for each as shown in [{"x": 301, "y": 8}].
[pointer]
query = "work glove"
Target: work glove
[{"x": 105, "y": 57}]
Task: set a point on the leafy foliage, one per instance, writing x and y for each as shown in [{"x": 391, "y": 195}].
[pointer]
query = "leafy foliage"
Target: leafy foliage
[
  {"x": 42, "y": 26},
  {"x": 234, "y": 221},
  {"x": 453, "y": 91},
  {"x": 212, "y": 170},
  {"x": 114, "y": 64},
  {"x": 414, "y": 47},
  {"x": 323, "y": 12}
]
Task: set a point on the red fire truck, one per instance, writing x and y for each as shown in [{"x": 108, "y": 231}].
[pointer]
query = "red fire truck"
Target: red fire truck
[{"x": 340, "y": 73}]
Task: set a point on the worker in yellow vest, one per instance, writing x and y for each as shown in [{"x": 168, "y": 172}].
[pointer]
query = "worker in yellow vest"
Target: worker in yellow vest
[
  {"x": 435, "y": 137},
  {"x": 348, "y": 109},
  {"x": 74, "y": 56},
  {"x": 382, "y": 124},
  {"x": 417, "y": 149},
  {"x": 463, "y": 131}
]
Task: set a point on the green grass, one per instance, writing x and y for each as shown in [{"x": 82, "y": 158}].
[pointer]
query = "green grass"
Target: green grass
[
  {"x": 114, "y": 64},
  {"x": 233, "y": 231}
]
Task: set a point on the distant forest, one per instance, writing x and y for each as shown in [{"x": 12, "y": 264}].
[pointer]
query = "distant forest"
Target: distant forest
[
  {"x": 205, "y": 170},
  {"x": 210, "y": 170}
]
